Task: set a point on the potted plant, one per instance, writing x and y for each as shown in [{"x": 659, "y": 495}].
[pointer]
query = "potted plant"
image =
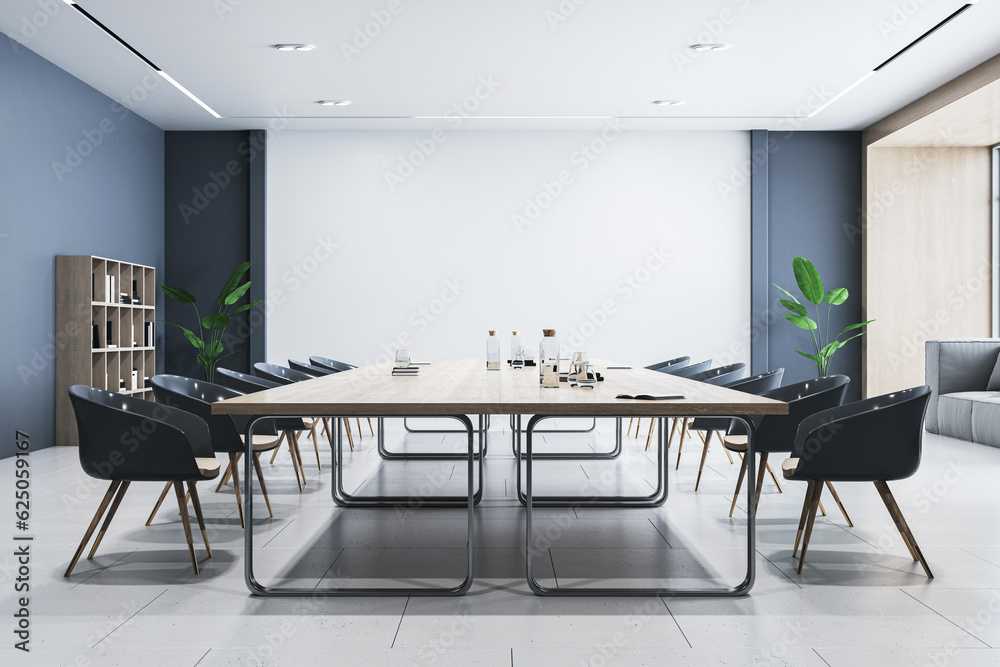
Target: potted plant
[
  {"x": 811, "y": 286},
  {"x": 210, "y": 350}
]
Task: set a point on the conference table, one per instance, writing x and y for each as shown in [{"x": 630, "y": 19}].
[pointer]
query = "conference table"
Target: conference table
[{"x": 456, "y": 388}]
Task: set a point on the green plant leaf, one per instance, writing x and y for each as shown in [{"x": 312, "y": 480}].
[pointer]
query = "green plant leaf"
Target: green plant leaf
[
  {"x": 246, "y": 306},
  {"x": 190, "y": 335},
  {"x": 802, "y": 322},
  {"x": 796, "y": 308},
  {"x": 835, "y": 297},
  {"x": 808, "y": 279},
  {"x": 831, "y": 348},
  {"x": 232, "y": 282},
  {"x": 808, "y": 356},
  {"x": 853, "y": 326},
  {"x": 790, "y": 295},
  {"x": 215, "y": 321},
  {"x": 180, "y": 295},
  {"x": 237, "y": 293},
  {"x": 214, "y": 349},
  {"x": 203, "y": 361}
]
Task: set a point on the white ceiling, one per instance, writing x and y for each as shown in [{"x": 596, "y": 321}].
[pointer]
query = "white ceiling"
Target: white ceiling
[{"x": 606, "y": 58}]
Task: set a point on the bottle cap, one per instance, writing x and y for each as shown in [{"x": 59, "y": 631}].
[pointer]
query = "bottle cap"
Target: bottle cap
[
  {"x": 493, "y": 332},
  {"x": 515, "y": 333},
  {"x": 548, "y": 333}
]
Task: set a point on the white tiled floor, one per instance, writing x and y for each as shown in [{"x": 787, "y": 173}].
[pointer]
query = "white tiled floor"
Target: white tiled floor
[{"x": 859, "y": 601}]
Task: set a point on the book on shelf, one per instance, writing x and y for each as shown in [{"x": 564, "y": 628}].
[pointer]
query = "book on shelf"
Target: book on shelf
[{"x": 110, "y": 334}]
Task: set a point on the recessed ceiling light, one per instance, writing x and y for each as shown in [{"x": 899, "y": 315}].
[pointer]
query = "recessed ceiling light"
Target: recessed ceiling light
[
  {"x": 294, "y": 47},
  {"x": 334, "y": 103},
  {"x": 710, "y": 47},
  {"x": 669, "y": 103}
]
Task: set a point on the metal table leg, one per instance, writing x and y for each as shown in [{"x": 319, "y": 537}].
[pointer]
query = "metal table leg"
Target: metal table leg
[
  {"x": 515, "y": 434},
  {"x": 344, "y": 499},
  {"x": 258, "y": 589},
  {"x": 741, "y": 589},
  {"x": 655, "y": 499},
  {"x": 429, "y": 456}
]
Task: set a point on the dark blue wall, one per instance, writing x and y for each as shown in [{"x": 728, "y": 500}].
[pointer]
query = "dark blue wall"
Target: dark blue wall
[
  {"x": 814, "y": 194},
  {"x": 207, "y": 185},
  {"x": 79, "y": 175}
]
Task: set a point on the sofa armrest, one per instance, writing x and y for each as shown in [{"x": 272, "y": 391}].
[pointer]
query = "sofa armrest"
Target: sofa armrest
[{"x": 957, "y": 364}]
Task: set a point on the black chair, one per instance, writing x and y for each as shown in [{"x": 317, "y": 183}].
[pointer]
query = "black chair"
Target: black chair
[
  {"x": 196, "y": 397},
  {"x": 776, "y": 433},
  {"x": 687, "y": 370},
  {"x": 315, "y": 371},
  {"x": 679, "y": 362},
  {"x": 874, "y": 440},
  {"x": 289, "y": 427},
  {"x": 706, "y": 427},
  {"x": 721, "y": 375},
  {"x": 332, "y": 364},
  {"x": 285, "y": 375},
  {"x": 124, "y": 439}
]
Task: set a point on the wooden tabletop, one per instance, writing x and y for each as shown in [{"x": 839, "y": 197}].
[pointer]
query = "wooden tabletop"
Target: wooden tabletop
[{"x": 464, "y": 386}]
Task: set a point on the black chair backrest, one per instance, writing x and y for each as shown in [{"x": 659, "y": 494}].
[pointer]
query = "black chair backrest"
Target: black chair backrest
[
  {"x": 877, "y": 439},
  {"x": 129, "y": 439},
  {"x": 315, "y": 371},
  {"x": 249, "y": 384},
  {"x": 776, "y": 433},
  {"x": 196, "y": 397},
  {"x": 721, "y": 374},
  {"x": 679, "y": 362},
  {"x": 687, "y": 371},
  {"x": 279, "y": 374},
  {"x": 243, "y": 382},
  {"x": 332, "y": 364},
  {"x": 757, "y": 384}
]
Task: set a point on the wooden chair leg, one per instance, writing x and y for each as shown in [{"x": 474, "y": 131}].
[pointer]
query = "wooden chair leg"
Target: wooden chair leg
[
  {"x": 638, "y": 425},
  {"x": 263, "y": 487},
  {"x": 773, "y": 478},
  {"x": 833, "y": 492},
  {"x": 721, "y": 437},
  {"x": 673, "y": 429},
  {"x": 179, "y": 489},
  {"x": 236, "y": 487},
  {"x": 107, "y": 520},
  {"x": 810, "y": 520},
  {"x": 156, "y": 507},
  {"x": 319, "y": 466},
  {"x": 649, "y": 436},
  {"x": 196, "y": 501},
  {"x": 350, "y": 438},
  {"x": 274, "y": 454},
  {"x": 369, "y": 426},
  {"x": 629, "y": 431},
  {"x": 358, "y": 421},
  {"x": 112, "y": 490},
  {"x": 701, "y": 467},
  {"x": 902, "y": 526},
  {"x": 806, "y": 502},
  {"x": 329, "y": 430},
  {"x": 761, "y": 469},
  {"x": 680, "y": 446},
  {"x": 296, "y": 453},
  {"x": 739, "y": 485},
  {"x": 292, "y": 436}
]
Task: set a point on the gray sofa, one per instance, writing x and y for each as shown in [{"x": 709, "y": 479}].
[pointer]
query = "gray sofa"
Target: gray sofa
[{"x": 965, "y": 401}]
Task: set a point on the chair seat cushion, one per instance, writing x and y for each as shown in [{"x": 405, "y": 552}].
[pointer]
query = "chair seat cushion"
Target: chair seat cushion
[
  {"x": 208, "y": 467},
  {"x": 788, "y": 467},
  {"x": 736, "y": 443},
  {"x": 970, "y": 415},
  {"x": 262, "y": 443}
]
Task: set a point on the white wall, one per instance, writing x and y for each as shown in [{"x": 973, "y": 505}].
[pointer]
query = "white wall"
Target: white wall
[{"x": 385, "y": 239}]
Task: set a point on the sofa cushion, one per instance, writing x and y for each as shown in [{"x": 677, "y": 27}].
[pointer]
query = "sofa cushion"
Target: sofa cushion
[
  {"x": 994, "y": 383},
  {"x": 955, "y": 412}
]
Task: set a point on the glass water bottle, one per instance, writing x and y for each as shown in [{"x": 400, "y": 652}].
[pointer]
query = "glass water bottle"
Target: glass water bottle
[
  {"x": 515, "y": 342},
  {"x": 548, "y": 359},
  {"x": 493, "y": 352}
]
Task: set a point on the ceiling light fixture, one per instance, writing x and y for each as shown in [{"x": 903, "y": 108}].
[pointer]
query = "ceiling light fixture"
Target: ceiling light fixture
[
  {"x": 710, "y": 47},
  {"x": 841, "y": 94},
  {"x": 294, "y": 47},
  {"x": 334, "y": 103},
  {"x": 187, "y": 92},
  {"x": 669, "y": 103}
]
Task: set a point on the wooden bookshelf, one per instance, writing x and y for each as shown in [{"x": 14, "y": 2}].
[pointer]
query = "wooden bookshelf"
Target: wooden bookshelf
[{"x": 125, "y": 331}]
